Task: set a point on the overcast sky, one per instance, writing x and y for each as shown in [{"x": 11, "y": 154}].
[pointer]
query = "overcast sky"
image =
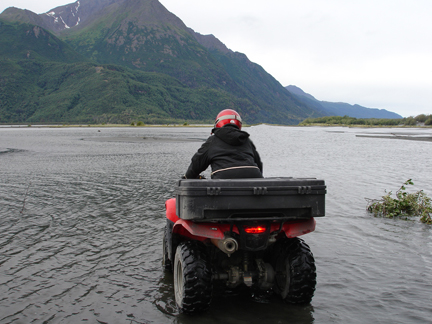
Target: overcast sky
[{"x": 375, "y": 53}]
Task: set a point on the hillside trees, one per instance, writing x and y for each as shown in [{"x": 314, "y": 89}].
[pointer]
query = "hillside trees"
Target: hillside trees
[{"x": 347, "y": 121}]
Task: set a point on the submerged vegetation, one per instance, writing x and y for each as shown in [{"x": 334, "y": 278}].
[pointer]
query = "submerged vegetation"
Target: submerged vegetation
[
  {"x": 422, "y": 119},
  {"x": 404, "y": 205}
]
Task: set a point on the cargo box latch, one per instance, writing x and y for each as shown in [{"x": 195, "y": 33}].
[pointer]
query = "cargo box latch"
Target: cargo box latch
[
  {"x": 260, "y": 190},
  {"x": 303, "y": 190},
  {"x": 213, "y": 191}
]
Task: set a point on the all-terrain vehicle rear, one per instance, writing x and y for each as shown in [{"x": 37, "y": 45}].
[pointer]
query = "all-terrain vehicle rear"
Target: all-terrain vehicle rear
[{"x": 242, "y": 232}]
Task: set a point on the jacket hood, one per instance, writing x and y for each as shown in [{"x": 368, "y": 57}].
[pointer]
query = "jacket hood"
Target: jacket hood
[{"x": 230, "y": 134}]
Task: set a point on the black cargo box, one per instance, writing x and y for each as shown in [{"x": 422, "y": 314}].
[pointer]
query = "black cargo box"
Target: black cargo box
[{"x": 232, "y": 199}]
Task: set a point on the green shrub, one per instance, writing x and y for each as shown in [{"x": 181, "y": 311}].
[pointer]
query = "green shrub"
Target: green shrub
[
  {"x": 421, "y": 118},
  {"x": 404, "y": 205},
  {"x": 410, "y": 121},
  {"x": 140, "y": 123}
]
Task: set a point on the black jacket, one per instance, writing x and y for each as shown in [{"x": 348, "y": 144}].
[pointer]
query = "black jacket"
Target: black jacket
[{"x": 228, "y": 147}]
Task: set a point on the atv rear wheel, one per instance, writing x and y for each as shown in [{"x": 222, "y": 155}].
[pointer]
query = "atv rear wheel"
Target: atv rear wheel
[
  {"x": 192, "y": 278},
  {"x": 294, "y": 264}
]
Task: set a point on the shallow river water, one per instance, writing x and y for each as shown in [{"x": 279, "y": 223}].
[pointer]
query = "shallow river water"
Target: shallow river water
[{"x": 82, "y": 215}]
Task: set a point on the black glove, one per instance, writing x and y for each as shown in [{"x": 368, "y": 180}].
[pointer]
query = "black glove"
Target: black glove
[{"x": 199, "y": 177}]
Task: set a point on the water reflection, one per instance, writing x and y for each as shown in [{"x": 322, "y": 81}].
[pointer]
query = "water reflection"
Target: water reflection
[{"x": 234, "y": 307}]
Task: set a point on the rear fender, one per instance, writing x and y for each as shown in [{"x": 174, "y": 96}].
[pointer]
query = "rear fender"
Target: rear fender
[
  {"x": 170, "y": 208},
  {"x": 299, "y": 227},
  {"x": 201, "y": 231}
]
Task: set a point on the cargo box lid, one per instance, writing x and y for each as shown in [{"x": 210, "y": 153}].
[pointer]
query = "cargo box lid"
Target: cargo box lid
[
  {"x": 260, "y": 186},
  {"x": 257, "y": 182}
]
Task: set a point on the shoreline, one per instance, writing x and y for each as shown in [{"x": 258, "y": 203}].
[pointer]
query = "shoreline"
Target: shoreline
[
  {"x": 200, "y": 125},
  {"x": 100, "y": 126}
]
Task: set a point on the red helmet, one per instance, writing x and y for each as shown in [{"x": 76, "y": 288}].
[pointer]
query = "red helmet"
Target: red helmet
[{"x": 228, "y": 116}]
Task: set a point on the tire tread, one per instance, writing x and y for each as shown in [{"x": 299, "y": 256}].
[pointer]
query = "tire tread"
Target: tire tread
[
  {"x": 196, "y": 278},
  {"x": 302, "y": 269}
]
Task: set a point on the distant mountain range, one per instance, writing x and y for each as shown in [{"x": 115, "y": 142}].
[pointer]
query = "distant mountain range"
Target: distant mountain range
[
  {"x": 341, "y": 108},
  {"x": 128, "y": 60}
]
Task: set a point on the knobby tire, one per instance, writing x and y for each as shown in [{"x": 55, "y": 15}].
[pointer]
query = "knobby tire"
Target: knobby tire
[
  {"x": 295, "y": 271},
  {"x": 192, "y": 278}
]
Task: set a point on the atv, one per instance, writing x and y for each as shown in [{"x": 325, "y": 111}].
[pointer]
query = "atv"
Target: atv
[{"x": 241, "y": 232}]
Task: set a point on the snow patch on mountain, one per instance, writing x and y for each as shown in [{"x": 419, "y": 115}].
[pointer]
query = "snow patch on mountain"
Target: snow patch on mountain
[
  {"x": 66, "y": 17},
  {"x": 66, "y": 26}
]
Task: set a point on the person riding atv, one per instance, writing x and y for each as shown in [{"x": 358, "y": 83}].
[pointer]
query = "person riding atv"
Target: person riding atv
[
  {"x": 239, "y": 228},
  {"x": 230, "y": 152}
]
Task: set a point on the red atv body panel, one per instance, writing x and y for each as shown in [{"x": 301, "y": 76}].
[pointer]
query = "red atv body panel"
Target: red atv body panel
[{"x": 202, "y": 231}]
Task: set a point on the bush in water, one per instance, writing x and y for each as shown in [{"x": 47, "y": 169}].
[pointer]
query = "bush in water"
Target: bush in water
[{"x": 405, "y": 204}]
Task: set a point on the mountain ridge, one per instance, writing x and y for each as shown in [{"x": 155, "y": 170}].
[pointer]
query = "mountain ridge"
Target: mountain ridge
[{"x": 342, "y": 108}]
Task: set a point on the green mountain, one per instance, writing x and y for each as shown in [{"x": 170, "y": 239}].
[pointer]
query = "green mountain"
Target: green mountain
[
  {"x": 127, "y": 59},
  {"x": 43, "y": 80},
  {"x": 88, "y": 93}
]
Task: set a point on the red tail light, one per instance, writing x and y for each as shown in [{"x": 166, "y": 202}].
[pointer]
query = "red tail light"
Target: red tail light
[{"x": 255, "y": 229}]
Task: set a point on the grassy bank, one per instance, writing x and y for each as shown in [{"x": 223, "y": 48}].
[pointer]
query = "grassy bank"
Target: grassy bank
[{"x": 418, "y": 121}]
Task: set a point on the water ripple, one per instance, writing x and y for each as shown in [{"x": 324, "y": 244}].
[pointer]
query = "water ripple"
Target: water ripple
[{"x": 82, "y": 222}]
